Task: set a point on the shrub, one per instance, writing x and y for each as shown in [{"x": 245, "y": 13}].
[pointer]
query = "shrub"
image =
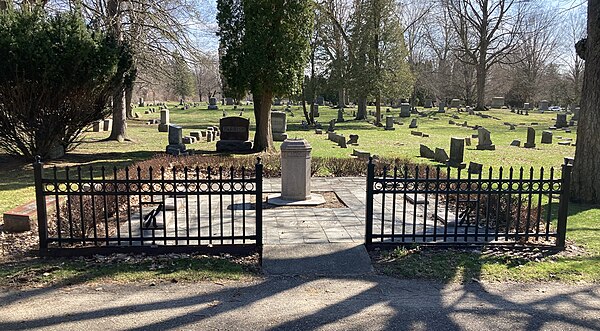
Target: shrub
[{"x": 56, "y": 77}]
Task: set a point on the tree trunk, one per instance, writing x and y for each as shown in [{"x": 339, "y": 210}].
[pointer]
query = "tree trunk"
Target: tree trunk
[
  {"x": 378, "y": 109},
  {"x": 341, "y": 98},
  {"x": 480, "y": 86},
  {"x": 263, "y": 137},
  {"x": 361, "y": 114},
  {"x": 128, "y": 97},
  {"x": 306, "y": 115},
  {"x": 585, "y": 185},
  {"x": 119, "y": 123}
]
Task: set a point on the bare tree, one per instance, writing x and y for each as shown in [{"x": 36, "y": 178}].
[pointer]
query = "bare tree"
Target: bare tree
[
  {"x": 586, "y": 182},
  {"x": 487, "y": 31}
]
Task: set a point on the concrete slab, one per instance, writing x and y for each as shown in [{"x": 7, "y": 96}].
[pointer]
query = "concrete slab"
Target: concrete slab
[{"x": 316, "y": 259}]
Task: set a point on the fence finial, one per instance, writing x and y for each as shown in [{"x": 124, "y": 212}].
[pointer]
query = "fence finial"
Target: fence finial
[
  {"x": 38, "y": 159},
  {"x": 258, "y": 160},
  {"x": 370, "y": 160}
]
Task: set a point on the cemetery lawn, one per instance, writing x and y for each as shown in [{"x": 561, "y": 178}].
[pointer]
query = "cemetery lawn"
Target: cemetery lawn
[
  {"x": 580, "y": 263},
  {"x": 16, "y": 186},
  {"x": 121, "y": 269}
]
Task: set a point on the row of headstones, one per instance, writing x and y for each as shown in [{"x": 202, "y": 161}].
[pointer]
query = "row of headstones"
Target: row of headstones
[
  {"x": 102, "y": 125},
  {"x": 341, "y": 140},
  {"x": 546, "y": 139},
  {"x": 520, "y": 111},
  {"x": 177, "y": 141},
  {"x": 457, "y": 153},
  {"x": 390, "y": 121},
  {"x": 465, "y": 124}
]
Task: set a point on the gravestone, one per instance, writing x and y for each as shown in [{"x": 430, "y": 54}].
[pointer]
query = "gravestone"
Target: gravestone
[
  {"x": 331, "y": 127},
  {"x": 497, "y": 102},
  {"x": 428, "y": 103},
  {"x": 426, "y": 152},
  {"x": 175, "y": 146},
  {"x": 107, "y": 125},
  {"x": 468, "y": 141},
  {"x": 234, "y": 135},
  {"x": 340, "y": 115},
  {"x": 141, "y": 103},
  {"x": 163, "y": 126},
  {"x": 485, "y": 141},
  {"x": 470, "y": 111},
  {"x": 196, "y": 134},
  {"x": 314, "y": 108},
  {"x": 98, "y": 126},
  {"x": 441, "y": 107},
  {"x": 277, "y": 102},
  {"x": 389, "y": 123},
  {"x": 475, "y": 168},
  {"x": 404, "y": 109},
  {"x": 576, "y": 114},
  {"x": 511, "y": 127},
  {"x": 413, "y": 124},
  {"x": 440, "y": 155},
  {"x": 457, "y": 152},
  {"x": 516, "y": 143},
  {"x": 212, "y": 104},
  {"x": 320, "y": 101},
  {"x": 210, "y": 136},
  {"x": 361, "y": 155},
  {"x": 546, "y": 137},
  {"x": 353, "y": 139},
  {"x": 189, "y": 140},
  {"x": 530, "y": 138},
  {"x": 527, "y": 106},
  {"x": 279, "y": 125},
  {"x": 561, "y": 121},
  {"x": 229, "y": 101},
  {"x": 454, "y": 103},
  {"x": 544, "y": 105}
]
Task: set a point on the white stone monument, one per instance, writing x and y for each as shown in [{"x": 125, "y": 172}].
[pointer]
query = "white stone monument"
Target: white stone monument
[{"x": 295, "y": 176}]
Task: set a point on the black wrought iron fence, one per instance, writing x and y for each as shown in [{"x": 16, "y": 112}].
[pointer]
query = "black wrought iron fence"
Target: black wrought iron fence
[
  {"x": 148, "y": 210},
  {"x": 426, "y": 205}
]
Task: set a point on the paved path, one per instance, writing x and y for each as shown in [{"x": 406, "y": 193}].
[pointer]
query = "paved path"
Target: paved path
[
  {"x": 318, "y": 225},
  {"x": 304, "y": 303}
]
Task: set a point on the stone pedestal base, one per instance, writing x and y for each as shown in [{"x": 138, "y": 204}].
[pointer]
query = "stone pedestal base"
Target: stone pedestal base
[
  {"x": 234, "y": 146},
  {"x": 486, "y": 147},
  {"x": 315, "y": 200},
  {"x": 390, "y": 129},
  {"x": 163, "y": 127},
  {"x": 529, "y": 145},
  {"x": 280, "y": 136},
  {"x": 213, "y": 107},
  {"x": 176, "y": 150}
]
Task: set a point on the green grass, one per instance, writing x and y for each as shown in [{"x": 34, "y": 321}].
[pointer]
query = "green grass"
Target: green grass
[
  {"x": 16, "y": 180},
  {"x": 60, "y": 272},
  {"x": 16, "y": 188},
  {"x": 464, "y": 266}
]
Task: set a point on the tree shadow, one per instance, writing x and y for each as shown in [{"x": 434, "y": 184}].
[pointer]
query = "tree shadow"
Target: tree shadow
[{"x": 309, "y": 302}]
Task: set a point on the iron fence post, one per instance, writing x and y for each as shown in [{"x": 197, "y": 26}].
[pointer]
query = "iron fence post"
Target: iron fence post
[
  {"x": 563, "y": 207},
  {"x": 369, "y": 212},
  {"x": 40, "y": 199},
  {"x": 259, "y": 192}
]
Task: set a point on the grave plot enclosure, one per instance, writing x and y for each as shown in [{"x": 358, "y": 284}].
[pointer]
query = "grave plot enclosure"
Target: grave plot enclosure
[
  {"x": 425, "y": 205},
  {"x": 148, "y": 210}
]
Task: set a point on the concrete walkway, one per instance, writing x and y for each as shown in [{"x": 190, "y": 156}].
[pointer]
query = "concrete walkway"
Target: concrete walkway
[{"x": 304, "y": 303}]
